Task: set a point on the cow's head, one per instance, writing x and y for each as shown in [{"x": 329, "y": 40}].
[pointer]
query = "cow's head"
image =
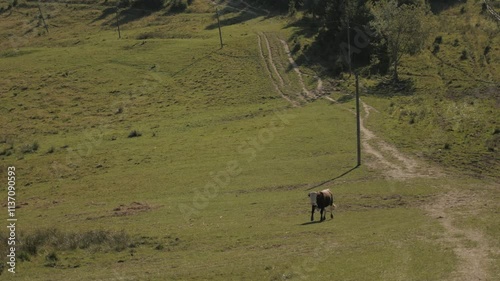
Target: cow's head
[{"x": 312, "y": 197}]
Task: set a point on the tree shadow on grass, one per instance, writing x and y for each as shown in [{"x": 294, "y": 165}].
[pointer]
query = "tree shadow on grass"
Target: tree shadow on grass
[
  {"x": 391, "y": 88},
  {"x": 437, "y": 6},
  {"x": 304, "y": 26},
  {"x": 124, "y": 16},
  {"x": 243, "y": 14},
  {"x": 105, "y": 13}
]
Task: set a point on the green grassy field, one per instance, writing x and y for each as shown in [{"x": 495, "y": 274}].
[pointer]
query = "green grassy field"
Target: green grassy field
[{"x": 215, "y": 187}]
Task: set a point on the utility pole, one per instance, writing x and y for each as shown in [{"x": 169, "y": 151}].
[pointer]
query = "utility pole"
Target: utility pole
[
  {"x": 118, "y": 23},
  {"x": 348, "y": 39},
  {"x": 349, "y": 46},
  {"x": 220, "y": 32},
  {"x": 41, "y": 16},
  {"x": 358, "y": 120}
]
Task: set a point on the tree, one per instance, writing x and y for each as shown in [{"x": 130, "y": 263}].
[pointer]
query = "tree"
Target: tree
[
  {"x": 315, "y": 7},
  {"x": 402, "y": 27}
]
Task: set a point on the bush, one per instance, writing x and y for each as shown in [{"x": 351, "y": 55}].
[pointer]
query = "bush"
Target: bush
[
  {"x": 23, "y": 256},
  {"x": 51, "y": 150},
  {"x": 29, "y": 148},
  {"x": 134, "y": 134},
  {"x": 55, "y": 239},
  {"x": 487, "y": 50},
  {"x": 32, "y": 243},
  {"x": 464, "y": 55},
  {"x": 5, "y": 151},
  {"x": 436, "y": 49},
  {"x": 51, "y": 259}
]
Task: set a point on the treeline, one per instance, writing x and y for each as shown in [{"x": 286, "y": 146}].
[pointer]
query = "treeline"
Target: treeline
[
  {"x": 364, "y": 33},
  {"x": 367, "y": 34}
]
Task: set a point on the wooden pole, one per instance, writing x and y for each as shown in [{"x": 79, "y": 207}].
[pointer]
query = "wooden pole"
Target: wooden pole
[
  {"x": 220, "y": 32},
  {"x": 349, "y": 46},
  {"x": 358, "y": 121},
  {"x": 118, "y": 24},
  {"x": 41, "y": 15}
]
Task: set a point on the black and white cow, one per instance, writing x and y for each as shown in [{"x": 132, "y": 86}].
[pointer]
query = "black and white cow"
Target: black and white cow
[{"x": 321, "y": 200}]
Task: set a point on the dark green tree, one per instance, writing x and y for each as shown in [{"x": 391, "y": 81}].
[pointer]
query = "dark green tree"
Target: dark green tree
[{"x": 402, "y": 27}]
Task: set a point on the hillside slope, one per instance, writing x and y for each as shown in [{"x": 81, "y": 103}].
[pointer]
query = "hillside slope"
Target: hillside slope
[{"x": 160, "y": 156}]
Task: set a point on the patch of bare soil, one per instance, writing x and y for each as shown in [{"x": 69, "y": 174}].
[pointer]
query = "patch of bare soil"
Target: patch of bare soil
[{"x": 131, "y": 209}]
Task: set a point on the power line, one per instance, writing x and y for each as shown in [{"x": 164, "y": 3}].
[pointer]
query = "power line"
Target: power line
[{"x": 492, "y": 11}]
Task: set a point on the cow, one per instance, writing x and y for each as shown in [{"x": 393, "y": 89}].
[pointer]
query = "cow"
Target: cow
[{"x": 321, "y": 200}]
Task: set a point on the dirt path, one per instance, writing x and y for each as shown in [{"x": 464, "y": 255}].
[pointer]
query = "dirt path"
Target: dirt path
[
  {"x": 385, "y": 157},
  {"x": 473, "y": 260},
  {"x": 270, "y": 67},
  {"x": 296, "y": 69},
  {"x": 396, "y": 164},
  {"x": 282, "y": 79}
]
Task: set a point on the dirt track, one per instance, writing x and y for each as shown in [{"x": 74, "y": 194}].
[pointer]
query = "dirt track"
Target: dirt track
[{"x": 395, "y": 165}]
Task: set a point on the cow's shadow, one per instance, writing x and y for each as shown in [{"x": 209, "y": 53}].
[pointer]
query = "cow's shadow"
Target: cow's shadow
[{"x": 312, "y": 222}]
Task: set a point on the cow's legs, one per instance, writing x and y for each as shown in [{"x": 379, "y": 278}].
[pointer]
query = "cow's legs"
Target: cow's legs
[
  {"x": 331, "y": 211},
  {"x": 312, "y": 213},
  {"x": 322, "y": 214}
]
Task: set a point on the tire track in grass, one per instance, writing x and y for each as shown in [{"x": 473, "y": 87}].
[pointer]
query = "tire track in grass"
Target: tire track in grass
[
  {"x": 269, "y": 72},
  {"x": 397, "y": 165},
  {"x": 295, "y": 67},
  {"x": 282, "y": 83},
  {"x": 271, "y": 62},
  {"x": 470, "y": 246},
  {"x": 473, "y": 260},
  {"x": 403, "y": 168}
]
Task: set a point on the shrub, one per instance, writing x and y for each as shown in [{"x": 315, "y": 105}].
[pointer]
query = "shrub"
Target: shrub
[
  {"x": 51, "y": 259},
  {"x": 134, "y": 134},
  {"x": 119, "y": 241},
  {"x": 23, "y": 256},
  {"x": 296, "y": 48},
  {"x": 89, "y": 238},
  {"x": 32, "y": 243},
  {"x": 464, "y": 55},
  {"x": 436, "y": 49},
  {"x": 51, "y": 150},
  {"x": 487, "y": 50},
  {"x": 55, "y": 239},
  {"x": 29, "y": 148}
]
